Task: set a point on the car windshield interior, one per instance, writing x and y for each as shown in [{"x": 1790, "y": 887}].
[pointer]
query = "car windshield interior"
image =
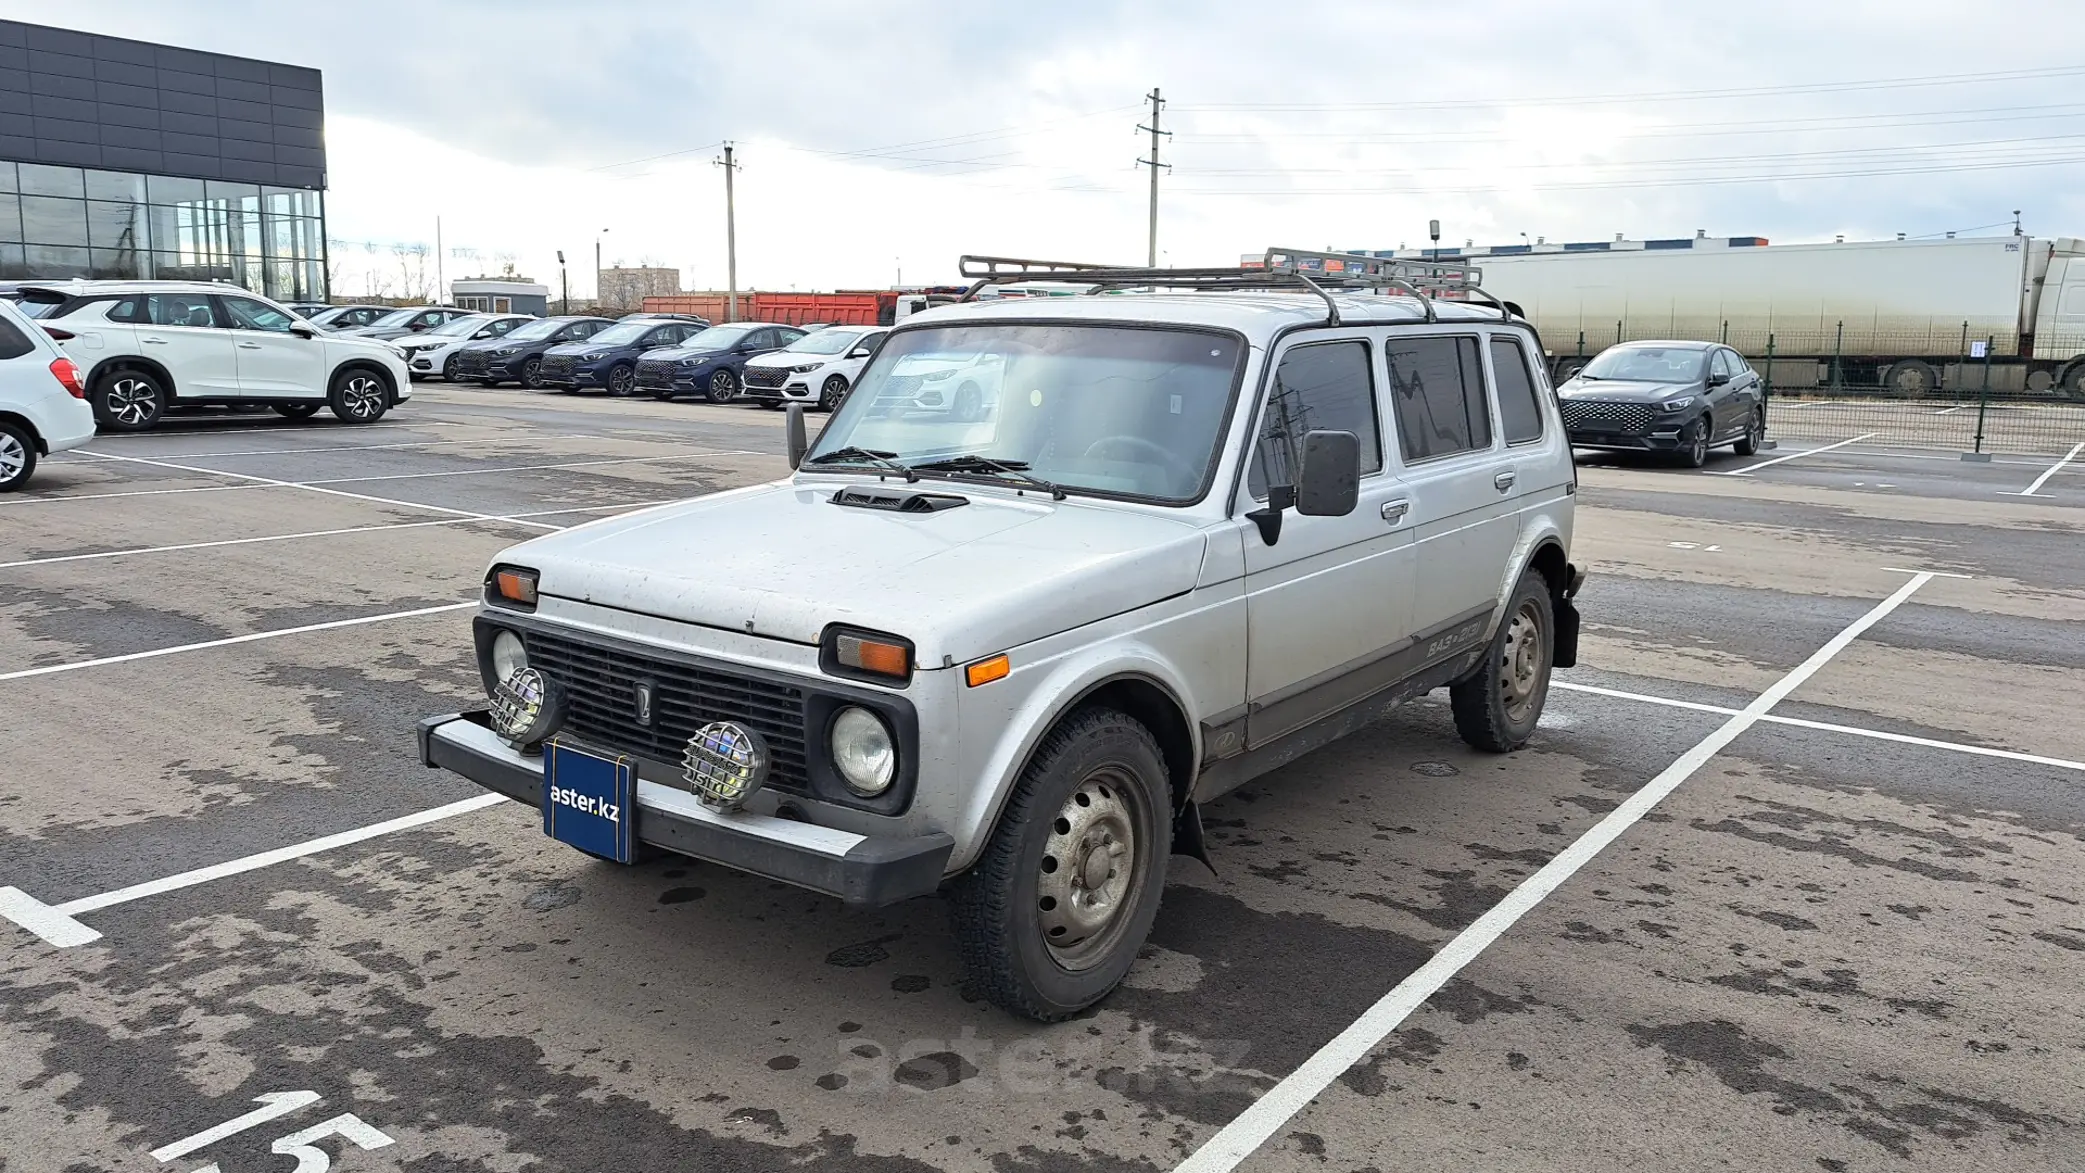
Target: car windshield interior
[
  {"x": 462, "y": 327},
  {"x": 537, "y": 331},
  {"x": 824, "y": 342},
  {"x": 717, "y": 338},
  {"x": 395, "y": 318},
  {"x": 623, "y": 333},
  {"x": 1652, "y": 364},
  {"x": 1104, "y": 409}
]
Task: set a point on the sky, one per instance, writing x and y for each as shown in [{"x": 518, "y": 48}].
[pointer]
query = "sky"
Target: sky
[{"x": 878, "y": 142}]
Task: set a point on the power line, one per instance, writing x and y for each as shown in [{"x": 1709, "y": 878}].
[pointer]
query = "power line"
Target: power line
[{"x": 1723, "y": 127}]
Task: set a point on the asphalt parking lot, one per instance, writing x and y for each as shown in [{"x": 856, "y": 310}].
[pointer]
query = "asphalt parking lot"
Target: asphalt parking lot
[{"x": 1824, "y": 730}]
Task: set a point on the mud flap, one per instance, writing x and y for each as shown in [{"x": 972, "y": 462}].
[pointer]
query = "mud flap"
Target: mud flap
[
  {"x": 1564, "y": 652},
  {"x": 1187, "y": 835}
]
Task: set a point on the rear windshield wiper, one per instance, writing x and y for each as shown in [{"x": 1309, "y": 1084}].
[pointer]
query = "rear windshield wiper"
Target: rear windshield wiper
[
  {"x": 972, "y": 462},
  {"x": 853, "y": 455}
]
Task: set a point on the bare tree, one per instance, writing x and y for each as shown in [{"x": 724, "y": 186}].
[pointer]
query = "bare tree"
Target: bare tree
[{"x": 418, "y": 284}]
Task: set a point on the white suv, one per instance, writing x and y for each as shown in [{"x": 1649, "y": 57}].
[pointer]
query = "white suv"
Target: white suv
[
  {"x": 815, "y": 369},
  {"x": 1008, "y": 655},
  {"x": 146, "y": 346},
  {"x": 43, "y": 405}
]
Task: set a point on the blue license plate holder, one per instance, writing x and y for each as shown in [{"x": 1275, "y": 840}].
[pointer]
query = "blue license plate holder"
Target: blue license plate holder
[{"x": 590, "y": 801}]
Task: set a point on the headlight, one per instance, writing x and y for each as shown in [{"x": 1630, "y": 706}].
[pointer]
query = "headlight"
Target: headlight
[
  {"x": 509, "y": 655},
  {"x": 504, "y": 351},
  {"x": 690, "y": 362},
  {"x": 863, "y": 751},
  {"x": 526, "y": 708},
  {"x": 805, "y": 368},
  {"x": 1680, "y": 404},
  {"x": 596, "y": 356}
]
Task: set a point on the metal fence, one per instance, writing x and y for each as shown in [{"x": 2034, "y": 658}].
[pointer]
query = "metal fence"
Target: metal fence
[{"x": 2017, "y": 422}]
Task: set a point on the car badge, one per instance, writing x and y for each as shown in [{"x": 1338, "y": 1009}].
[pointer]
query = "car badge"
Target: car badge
[{"x": 644, "y": 703}]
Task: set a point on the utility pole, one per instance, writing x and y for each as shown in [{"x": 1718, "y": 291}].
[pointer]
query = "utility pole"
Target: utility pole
[
  {"x": 730, "y": 230},
  {"x": 564, "y": 285},
  {"x": 441, "y": 287},
  {"x": 599, "y": 301},
  {"x": 1157, "y": 104}
]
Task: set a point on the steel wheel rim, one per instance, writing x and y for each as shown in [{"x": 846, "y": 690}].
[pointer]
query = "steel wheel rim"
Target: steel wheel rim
[
  {"x": 1091, "y": 870},
  {"x": 132, "y": 401},
  {"x": 13, "y": 457},
  {"x": 362, "y": 396},
  {"x": 1520, "y": 664}
]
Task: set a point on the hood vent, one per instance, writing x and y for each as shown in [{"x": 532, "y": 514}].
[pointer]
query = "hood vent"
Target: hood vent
[{"x": 898, "y": 500}]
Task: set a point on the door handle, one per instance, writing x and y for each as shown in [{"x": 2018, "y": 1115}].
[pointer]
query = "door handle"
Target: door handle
[
  {"x": 249, "y": 346},
  {"x": 1394, "y": 511},
  {"x": 1503, "y": 481},
  {"x": 155, "y": 342}
]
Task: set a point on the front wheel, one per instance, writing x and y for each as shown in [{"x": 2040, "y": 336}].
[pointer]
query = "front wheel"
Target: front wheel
[
  {"x": 723, "y": 386},
  {"x": 1694, "y": 445},
  {"x": 970, "y": 403},
  {"x": 829, "y": 396},
  {"x": 532, "y": 374},
  {"x": 1754, "y": 438},
  {"x": 1497, "y": 705},
  {"x": 449, "y": 374},
  {"x": 1050, "y": 918},
  {"x": 359, "y": 396},
  {"x": 622, "y": 380},
  {"x": 17, "y": 456},
  {"x": 296, "y": 411}
]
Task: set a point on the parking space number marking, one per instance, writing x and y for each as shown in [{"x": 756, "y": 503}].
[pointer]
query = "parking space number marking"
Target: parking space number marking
[{"x": 310, "y": 1158}]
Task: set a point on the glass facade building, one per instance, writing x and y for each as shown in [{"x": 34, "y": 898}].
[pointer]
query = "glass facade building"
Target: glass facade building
[{"x": 125, "y": 159}]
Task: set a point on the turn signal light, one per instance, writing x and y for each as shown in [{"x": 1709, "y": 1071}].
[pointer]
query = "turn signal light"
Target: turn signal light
[
  {"x": 986, "y": 671},
  {"x": 515, "y": 586},
  {"x": 868, "y": 655},
  {"x": 68, "y": 374}
]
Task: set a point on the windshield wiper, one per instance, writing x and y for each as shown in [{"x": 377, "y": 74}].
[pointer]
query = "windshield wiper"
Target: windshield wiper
[
  {"x": 853, "y": 455},
  {"x": 972, "y": 462}
]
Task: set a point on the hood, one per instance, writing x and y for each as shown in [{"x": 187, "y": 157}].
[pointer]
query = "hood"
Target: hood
[
  {"x": 1626, "y": 390},
  {"x": 575, "y": 349},
  {"x": 781, "y": 560},
  {"x": 789, "y": 358},
  {"x": 677, "y": 353}
]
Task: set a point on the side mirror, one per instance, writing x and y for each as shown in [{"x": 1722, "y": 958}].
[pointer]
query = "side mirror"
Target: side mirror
[
  {"x": 793, "y": 429},
  {"x": 1718, "y": 379},
  {"x": 1329, "y": 484},
  {"x": 858, "y": 352},
  {"x": 304, "y": 330}
]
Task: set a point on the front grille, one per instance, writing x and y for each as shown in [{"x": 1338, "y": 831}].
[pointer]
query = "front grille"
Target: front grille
[
  {"x": 473, "y": 360},
  {"x": 555, "y": 366},
  {"x": 1583, "y": 415},
  {"x": 766, "y": 376},
  {"x": 898, "y": 389},
  {"x": 655, "y": 371},
  {"x": 602, "y": 703}
]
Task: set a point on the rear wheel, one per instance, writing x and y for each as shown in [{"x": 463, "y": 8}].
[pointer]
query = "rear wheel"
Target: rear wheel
[
  {"x": 128, "y": 401},
  {"x": 1755, "y": 434},
  {"x": 1911, "y": 378},
  {"x": 2072, "y": 381},
  {"x": 622, "y": 380},
  {"x": 17, "y": 456},
  {"x": 829, "y": 396},
  {"x": 1497, "y": 705},
  {"x": 723, "y": 385},
  {"x": 296, "y": 411},
  {"x": 1052, "y": 915},
  {"x": 359, "y": 396}
]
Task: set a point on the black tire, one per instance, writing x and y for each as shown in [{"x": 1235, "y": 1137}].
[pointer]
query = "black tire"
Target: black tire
[
  {"x": 2071, "y": 383},
  {"x": 532, "y": 374},
  {"x": 969, "y": 405},
  {"x": 1096, "y": 763},
  {"x": 358, "y": 395},
  {"x": 449, "y": 370},
  {"x": 1911, "y": 378},
  {"x": 1498, "y": 704},
  {"x": 17, "y": 456},
  {"x": 296, "y": 411},
  {"x": 723, "y": 385},
  {"x": 1567, "y": 370},
  {"x": 830, "y": 395},
  {"x": 622, "y": 380},
  {"x": 1754, "y": 438},
  {"x": 128, "y": 401},
  {"x": 1694, "y": 450}
]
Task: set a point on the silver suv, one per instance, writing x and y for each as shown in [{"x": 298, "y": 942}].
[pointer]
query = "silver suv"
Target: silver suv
[{"x": 1007, "y": 654}]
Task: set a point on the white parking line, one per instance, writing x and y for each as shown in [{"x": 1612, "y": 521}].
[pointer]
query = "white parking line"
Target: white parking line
[
  {"x": 1750, "y": 469},
  {"x": 131, "y": 493},
  {"x": 471, "y": 472},
  {"x": 1239, "y": 1139},
  {"x": 330, "y": 492},
  {"x": 2034, "y": 490},
  {"x": 345, "y": 447},
  {"x": 1951, "y": 410},
  {"x": 324, "y": 533},
  {"x": 249, "y": 637},
  {"x": 57, "y": 924}
]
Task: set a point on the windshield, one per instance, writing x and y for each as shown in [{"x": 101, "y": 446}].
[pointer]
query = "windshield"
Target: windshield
[
  {"x": 1652, "y": 364},
  {"x": 624, "y": 333},
  {"x": 1104, "y": 409},
  {"x": 462, "y": 327},
  {"x": 824, "y": 342},
  {"x": 329, "y": 315},
  {"x": 717, "y": 338},
  {"x": 536, "y": 331},
  {"x": 394, "y": 318}
]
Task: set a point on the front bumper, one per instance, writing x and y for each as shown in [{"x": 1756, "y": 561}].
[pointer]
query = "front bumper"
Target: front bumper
[
  {"x": 859, "y": 869},
  {"x": 1658, "y": 438}
]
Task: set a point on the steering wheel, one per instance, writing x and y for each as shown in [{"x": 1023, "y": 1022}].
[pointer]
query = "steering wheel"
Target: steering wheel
[{"x": 1154, "y": 453}]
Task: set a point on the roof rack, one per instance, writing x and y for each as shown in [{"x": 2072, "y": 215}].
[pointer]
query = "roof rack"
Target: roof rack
[{"x": 1282, "y": 268}]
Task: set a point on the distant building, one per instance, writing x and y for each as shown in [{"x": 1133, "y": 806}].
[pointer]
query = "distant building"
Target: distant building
[
  {"x": 501, "y": 295},
  {"x": 627, "y": 287}
]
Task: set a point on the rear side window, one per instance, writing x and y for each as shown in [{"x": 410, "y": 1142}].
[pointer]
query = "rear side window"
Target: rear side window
[
  {"x": 180, "y": 309},
  {"x": 1437, "y": 389},
  {"x": 1325, "y": 386},
  {"x": 128, "y": 309},
  {"x": 13, "y": 343},
  {"x": 1520, "y": 417}
]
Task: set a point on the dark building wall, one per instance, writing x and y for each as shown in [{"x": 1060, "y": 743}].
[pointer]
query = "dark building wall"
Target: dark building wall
[{"x": 81, "y": 100}]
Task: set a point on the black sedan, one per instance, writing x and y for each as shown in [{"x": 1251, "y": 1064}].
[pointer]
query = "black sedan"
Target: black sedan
[
  {"x": 1677, "y": 398},
  {"x": 713, "y": 362},
  {"x": 518, "y": 357}
]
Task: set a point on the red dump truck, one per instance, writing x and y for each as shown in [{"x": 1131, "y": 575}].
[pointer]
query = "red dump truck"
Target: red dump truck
[{"x": 846, "y": 307}]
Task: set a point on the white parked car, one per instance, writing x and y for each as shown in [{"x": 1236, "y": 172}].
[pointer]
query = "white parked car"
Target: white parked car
[
  {"x": 817, "y": 368},
  {"x": 1006, "y": 656},
  {"x": 147, "y": 346},
  {"x": 434, "y": 352},
  {"x": 43, "y": 402}
]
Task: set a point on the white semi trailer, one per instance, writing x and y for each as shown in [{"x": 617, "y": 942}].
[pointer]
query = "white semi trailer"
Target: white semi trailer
[{"x": 1901, "y": 315}]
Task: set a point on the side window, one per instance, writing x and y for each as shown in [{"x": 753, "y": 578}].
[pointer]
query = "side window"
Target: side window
[
  {"x": 180, "y": 309},
  {"x": 13, "y": 343},
  {"x": 663, "y": 336},
  {"x": 247, "y": 314},
  {"x": 1520, "y": 415},
  {"x": 128, "y": 309},
  {"x": 1721, "y": 365},
  {"x": 785, "y": 337},
  {"x": 500, "y": 329},
  {"x": 1321, "y": 386},
  {"x": 1437, "y": 390}
]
